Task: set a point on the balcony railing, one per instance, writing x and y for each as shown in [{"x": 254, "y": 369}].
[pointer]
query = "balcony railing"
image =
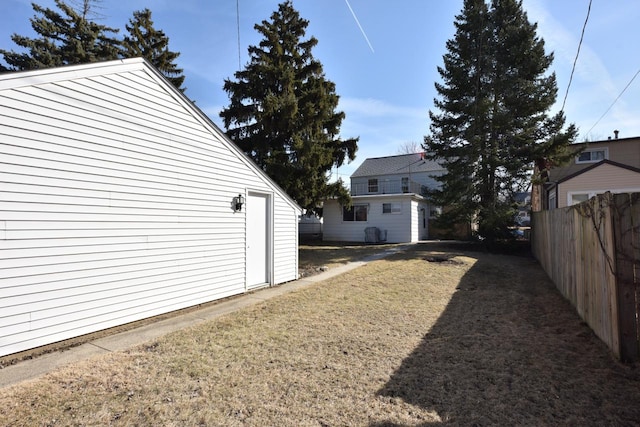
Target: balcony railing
[{"x": 387, "y": 187}]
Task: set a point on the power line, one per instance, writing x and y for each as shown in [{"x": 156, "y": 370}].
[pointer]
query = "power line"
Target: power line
[
  {"x": 615, "y": 100},
  {"x": 238, "y": 25},
  {"x": 577, "y": 54}
]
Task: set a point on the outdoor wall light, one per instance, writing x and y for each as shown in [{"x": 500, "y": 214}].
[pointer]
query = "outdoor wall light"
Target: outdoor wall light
[{"x": 238, "y": 201}]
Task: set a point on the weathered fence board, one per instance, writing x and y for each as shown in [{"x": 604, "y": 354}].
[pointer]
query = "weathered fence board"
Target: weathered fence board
[
  {"x": 626, "y": 217},
  {"x": 591, "y": 251}
]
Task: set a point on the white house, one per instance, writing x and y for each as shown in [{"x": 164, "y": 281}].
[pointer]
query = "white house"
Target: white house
[
  {"x": 389, "y": 203},
  {"x": 121, "y": 200}
]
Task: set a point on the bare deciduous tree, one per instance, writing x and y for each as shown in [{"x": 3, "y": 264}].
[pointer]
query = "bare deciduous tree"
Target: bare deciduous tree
[{"x": 409, "y": 147}]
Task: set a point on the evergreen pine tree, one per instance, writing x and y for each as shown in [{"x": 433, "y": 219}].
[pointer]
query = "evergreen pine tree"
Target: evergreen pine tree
[
  {"x": 493, "y": 120},
  {"x": 67, "y": 38},
  {"x": 282, "y": 112},
  {"x": 145, "y": 41}
]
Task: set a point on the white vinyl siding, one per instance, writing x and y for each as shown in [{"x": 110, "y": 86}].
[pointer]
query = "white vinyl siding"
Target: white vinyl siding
[
  {"x": 115, "y": 205},
  {"x": 400, "y": 227},
  {"x": 335, "y": 229},
  {"x": 415, "y": 220},
  {"x": 285, "y": 242}
]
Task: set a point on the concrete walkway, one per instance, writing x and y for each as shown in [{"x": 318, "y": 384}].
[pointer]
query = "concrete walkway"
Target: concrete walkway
[{"x": 40, "y": 365}]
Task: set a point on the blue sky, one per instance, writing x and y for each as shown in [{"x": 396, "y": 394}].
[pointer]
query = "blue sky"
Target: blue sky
[{"x": 386, "y": 84}]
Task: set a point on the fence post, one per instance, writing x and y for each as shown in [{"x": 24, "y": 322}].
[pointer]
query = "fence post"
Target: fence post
[{"x": 625, "y": 211}]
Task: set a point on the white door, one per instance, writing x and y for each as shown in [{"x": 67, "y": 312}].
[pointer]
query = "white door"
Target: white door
[{"x": 257, "y": 240}]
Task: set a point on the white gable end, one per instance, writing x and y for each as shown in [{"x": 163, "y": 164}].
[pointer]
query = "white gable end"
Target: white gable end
[{"x": 115, "y": 204}]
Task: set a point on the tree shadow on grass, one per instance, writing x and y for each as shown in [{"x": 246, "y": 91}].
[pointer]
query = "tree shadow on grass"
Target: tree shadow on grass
[{"x": 509, "y": 350}]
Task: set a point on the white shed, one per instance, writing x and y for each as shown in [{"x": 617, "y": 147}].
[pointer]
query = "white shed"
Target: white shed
[{"x": 117, "y": 203}]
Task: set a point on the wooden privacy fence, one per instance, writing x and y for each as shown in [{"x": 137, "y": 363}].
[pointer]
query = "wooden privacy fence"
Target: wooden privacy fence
[{"x": 591, "y": 251}]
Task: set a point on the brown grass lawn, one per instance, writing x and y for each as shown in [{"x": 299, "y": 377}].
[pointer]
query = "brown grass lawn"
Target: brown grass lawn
[
  {"x": 317, "y": 255},
  {"x": 434, "y": 335}
]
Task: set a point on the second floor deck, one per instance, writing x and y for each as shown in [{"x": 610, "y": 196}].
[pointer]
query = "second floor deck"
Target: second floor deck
[{"x": 399, "y": 186}]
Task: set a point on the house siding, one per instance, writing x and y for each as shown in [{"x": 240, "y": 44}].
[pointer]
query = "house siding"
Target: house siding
[
  {"x": 414, "y": 231},
  {"x": 334, "y": 229},
  {"x": 115, "y": 205},
  {"x": 285, "y": 247},
  {"x": 400, "y": 227},
  {"x": 605, "y": 177},
  {"x": 626, "y": 152}
]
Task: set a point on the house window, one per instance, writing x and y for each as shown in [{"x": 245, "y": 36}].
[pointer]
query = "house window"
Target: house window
[
  {"x": 592, "y": 156},
  {"x": 355, "y": 213},
  {"x": 435, "y": 211},
  {"x": 552, "y": 200},
  {"x": 405, "y": 185},
  {"x": 373, "y": 185},
  {"x": 391, "y": 208},
  {"x": 575, "y": 198}
]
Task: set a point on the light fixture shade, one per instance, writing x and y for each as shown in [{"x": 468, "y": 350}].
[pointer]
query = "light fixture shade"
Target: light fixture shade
[{"x": 238, "y": 201}]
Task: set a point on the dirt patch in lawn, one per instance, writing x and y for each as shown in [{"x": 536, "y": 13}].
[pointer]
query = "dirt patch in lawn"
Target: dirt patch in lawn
[{"x": 484, "y": 340}]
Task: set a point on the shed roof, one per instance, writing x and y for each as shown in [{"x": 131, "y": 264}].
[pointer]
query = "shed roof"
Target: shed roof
[{"x": 400, "y": 164}]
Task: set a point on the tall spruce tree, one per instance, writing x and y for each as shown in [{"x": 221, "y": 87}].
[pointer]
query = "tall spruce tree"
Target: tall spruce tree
[
  {"x": 493, "y": 121},
  {"x": 145, "y": 41},
  {"x": 282, "y": 112},
  {"x": 64, "y": 38}
]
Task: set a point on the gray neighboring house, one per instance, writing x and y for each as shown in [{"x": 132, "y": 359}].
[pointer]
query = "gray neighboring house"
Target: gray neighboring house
[
  {"x": 389, "y": 203},
  {"x": 121, "y": 200}
]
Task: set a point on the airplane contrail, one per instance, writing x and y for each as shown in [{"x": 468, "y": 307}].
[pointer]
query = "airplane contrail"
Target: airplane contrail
[{"x": 359, "y": 26}]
